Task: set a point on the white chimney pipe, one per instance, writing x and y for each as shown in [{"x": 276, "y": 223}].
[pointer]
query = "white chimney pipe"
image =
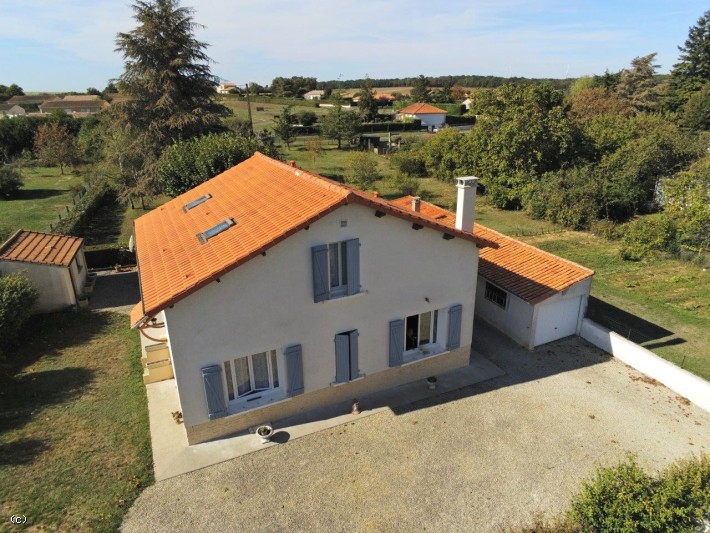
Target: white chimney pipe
[
  {"x": 465, "y": 202},
  {"x": 416, "y": 203}
]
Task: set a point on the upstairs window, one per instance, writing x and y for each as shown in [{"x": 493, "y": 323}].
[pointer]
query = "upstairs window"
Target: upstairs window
[
  {"x": 336, "y": 269},
  {"x": 496, "y": 295}
]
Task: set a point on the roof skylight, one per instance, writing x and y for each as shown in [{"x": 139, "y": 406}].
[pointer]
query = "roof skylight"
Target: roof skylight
[
  {"x": 215, "y": 230},
  {"x": 197, "y": 202}
]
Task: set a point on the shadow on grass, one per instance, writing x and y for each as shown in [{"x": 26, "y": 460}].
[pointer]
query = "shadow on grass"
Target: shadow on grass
[
  {"x": 105, "y": 225},
  {"x": 37, "y": 194},
  {"x": 21, "y": 452},
  {"x": 628, "y": 325}
]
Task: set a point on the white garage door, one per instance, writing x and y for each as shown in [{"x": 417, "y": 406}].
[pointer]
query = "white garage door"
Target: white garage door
[{"x": 557, "y": 320}]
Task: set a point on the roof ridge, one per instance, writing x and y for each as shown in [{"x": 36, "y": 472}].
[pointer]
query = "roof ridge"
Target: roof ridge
[{"x": 312, "y": 177}]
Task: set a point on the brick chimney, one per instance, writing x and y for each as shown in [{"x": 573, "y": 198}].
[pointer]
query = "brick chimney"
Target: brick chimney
[
  {"x": 465, "y": 202},
  {"x": 416, "y": 203},
  {"x": 292, "y": 162}
]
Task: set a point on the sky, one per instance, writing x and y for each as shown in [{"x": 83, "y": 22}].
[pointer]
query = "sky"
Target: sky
[{"x": 68, "y": 45}]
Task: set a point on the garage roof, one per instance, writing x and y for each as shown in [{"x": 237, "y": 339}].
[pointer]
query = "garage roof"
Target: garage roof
[
  {"x": 43, "y": 248},
  {"x": 524, "y": 270}
]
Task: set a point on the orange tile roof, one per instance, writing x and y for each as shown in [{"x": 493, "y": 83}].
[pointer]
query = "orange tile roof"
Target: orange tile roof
[
  {"x": 421, "y": 108},
  {"x": 269, "y": 201},
  {"x": 45, "y": 248},
  {"x": 528, "y": 272}
]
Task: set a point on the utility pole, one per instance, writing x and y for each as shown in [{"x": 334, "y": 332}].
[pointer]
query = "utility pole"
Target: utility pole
[{"x": 251, "y": 124}]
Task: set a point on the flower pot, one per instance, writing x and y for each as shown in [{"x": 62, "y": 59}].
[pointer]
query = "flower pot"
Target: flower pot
[
  {"x": 431, "y": 382},
  {"x": 264, "y": 433}
]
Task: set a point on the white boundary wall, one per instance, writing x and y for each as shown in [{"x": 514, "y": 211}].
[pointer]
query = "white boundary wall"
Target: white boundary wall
[{"x": 696, "y": 389}]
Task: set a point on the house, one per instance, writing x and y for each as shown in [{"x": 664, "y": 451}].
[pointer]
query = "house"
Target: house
[
  {"x": 11, "y": 110},
  {"x": 30, "y": 103},
  {"x": 277, "y": 291},
  {"x": 467, "y": 103},
  {"x": 532, "y": 296},
  {"x": 73, "y": 104},
  {"x": 227, "y": 87},
  {"x": 430, "y": 116},
  {"x": 55, "y": 265},
  {"x": 314, "y": 95}
]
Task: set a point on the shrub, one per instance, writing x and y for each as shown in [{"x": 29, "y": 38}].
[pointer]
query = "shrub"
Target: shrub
[
  {"x": 17, "y": 296},
  {"x": 362, "y": 169},
  {"x": 410, "y": 163},
  {"x": 10, "y": 182},
  {"x": 646, "y": 235},
  {"x": 405, "y": 185},
  {"x": 606, "y": 228},
  {"x": 306, "y": 118},
  {"x": 85, "y": 207},
  {"x": 625, "y": 499}
]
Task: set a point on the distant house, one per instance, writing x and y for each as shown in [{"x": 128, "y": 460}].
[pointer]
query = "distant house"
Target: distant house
[
  {"x": 226, "y": 88},
  {"x": 55, "y": 265},
  {"x": 431, "y": 117},
  {"x": 314, "y": 95},
  {"x": 467, "y": 104},
  {"x": 11, "y": 110},
  {"x": 28, "y": 100},
  {"x": 73, "y": 104},
  {"x": 532, "y": 296}
]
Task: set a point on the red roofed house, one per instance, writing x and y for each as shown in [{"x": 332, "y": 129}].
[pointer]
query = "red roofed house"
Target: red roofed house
[
  {"x": 279, "y": 291},
  {"x": 54, "y": 264},
  {"x": 431, "y": 117},
  {"x": 532, "y": 296}
]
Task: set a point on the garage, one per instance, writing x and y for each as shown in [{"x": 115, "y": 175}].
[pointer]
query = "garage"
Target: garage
[{"x": 532, "y": 296}]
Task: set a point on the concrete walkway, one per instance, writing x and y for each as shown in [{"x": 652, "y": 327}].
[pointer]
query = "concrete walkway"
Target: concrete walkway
[
  {"x": 172, "y": 456},
  {"x": 115, "y": 291}
]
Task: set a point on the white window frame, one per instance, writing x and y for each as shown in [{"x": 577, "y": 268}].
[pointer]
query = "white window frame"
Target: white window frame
[
  {"x": 253, "y": 396},
  {"x": 341, "y": 288},
  {"x": 424, "y": 349},
  {"x": 493, "y": 290}
]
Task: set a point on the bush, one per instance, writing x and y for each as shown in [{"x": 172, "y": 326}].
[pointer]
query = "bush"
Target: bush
[
  {"x": 73, "y": 222},
  {"x": 625, "y": 499},
  {"x": 17, "y": 297},
  {"x": 306, "y": 118},
  {"x": 362, "y": 169},
  {"x": 108, "y": 255},
  {"x": 606, "y": 228},
  {"x": 10, "y": 182},
  {"x": 648, "y": 234},
  {"x": 410, "y": 163},
  {"x": 405, "y": 185}
]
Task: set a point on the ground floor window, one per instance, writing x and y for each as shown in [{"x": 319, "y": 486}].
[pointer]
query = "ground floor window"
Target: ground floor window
[
  {"x": 421, "y": 329},
  {"x": 496, "y": 295},
  {"x": 249, "y": 375}
]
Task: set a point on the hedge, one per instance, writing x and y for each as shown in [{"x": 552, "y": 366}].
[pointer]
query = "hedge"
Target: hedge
[
  {"x": 371, "y": 127},
  {"x": 107, "y": 256},
  {"x": 17, "y": 296},
  {"x": 74, "y": 220},
  {"x": 280, "y": 101},
  {"x": 460, "y": 121}
]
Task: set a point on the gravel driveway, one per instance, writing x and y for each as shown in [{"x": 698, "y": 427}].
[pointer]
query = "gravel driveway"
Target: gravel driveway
[{"x": 477, "y": 459}]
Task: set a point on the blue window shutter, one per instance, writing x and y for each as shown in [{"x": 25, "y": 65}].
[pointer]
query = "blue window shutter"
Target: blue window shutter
[
  {"x": 294, "y": 369},
  {"x": 396, "y": 341},
  {"x": 320, "y": 272},
  {"x": 342, "y": 358},
  {"x": 354, "y": 365},
  {"x": 214, "y": 391},
  {"x": 353, "y": 255},
  {"x": 453, "y": 339}
]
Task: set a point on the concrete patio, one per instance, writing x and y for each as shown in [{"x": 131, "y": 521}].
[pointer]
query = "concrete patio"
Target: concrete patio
[{"x": 172, "y": 456}]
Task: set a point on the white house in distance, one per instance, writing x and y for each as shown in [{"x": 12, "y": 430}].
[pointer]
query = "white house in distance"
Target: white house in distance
[
  {"x": 278, "y": 291},
  {"x": 431, "y": 116},
  {"x": 11, "y": 110},
  {"x": 54, "y": 264},
  {"x": 315, "y": 94},
  {"x": 84, "y": 104},
  {"x": 226, "y": 87},
  {"x": 532, "y": 296}
]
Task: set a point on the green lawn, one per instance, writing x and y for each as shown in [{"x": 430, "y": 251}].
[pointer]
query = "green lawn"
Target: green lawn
[
  {"x": 45, "y": 193},
  {"x": 74, "y": 438}
]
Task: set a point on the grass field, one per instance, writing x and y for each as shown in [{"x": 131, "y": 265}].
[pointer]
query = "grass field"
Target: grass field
[
  {"x": 43, "y": 196},
  {"x": 74, "y": 439}
]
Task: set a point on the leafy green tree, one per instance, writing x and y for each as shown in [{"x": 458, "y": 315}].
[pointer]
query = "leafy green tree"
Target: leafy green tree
[
  {"x": 687, "y": 201},
  {"x": 447, "y": 155},
  {"x": 314, "y": 147},
  {"x": 94, "y": 91},
  {"x": 608, "y": 80},
  {"x": 10, "y": 182},
  {"x": 167, "y": 81},
  {"x": 283, "y": 126},
  {"x": 186, "y": 164},
  {"x": 696, "y": 112},
  {"x": 17, "y": 297},
  {"x": 54, "y": 145},
  {"x": 589, "y": 103},
  {"x": 692, "y": 71},
  {"x": 90, "y": 139},
  {"x": 306, "y": 118},
  {"x": 340, "y": 125},
  {"x": 367, "y": 105},
  {"x": 583, "y": 83},
  {"x": 362, "y": 169},
  {"x": 420, "y": 91},
  {"x": 638, "y": 85}
]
